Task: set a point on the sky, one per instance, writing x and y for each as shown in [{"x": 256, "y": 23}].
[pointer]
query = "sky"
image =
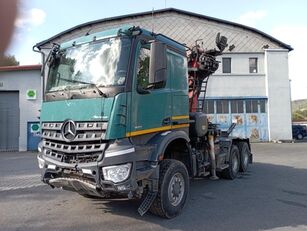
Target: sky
[{"x": 285, "y": 20}]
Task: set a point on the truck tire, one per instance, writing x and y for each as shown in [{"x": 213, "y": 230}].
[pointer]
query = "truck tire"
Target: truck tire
[
  {"x": 173, "y": 189},
  {"x": 234, "y": 164},
  {"x": 244, "y": 156}
]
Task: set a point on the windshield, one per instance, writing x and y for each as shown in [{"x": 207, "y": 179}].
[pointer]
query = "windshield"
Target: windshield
[{"x": 102, "y": 63}]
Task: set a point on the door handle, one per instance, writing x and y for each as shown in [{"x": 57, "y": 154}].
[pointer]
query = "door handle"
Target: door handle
[{"x": 166, "y": 121}]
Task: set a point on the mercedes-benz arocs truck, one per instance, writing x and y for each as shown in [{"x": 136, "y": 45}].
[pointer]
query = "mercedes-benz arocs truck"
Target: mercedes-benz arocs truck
[{"x": 123, "y": 114}]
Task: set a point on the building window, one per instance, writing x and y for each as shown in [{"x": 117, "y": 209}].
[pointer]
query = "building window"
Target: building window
[
  {"x": 262, "y": 106},
  {"x": 209, "y": 106},
  {"x": 237, "y": 106},
  {"x": 226, "y": 63},
  {"x": 222, "y": 107},
  {"x": 253, "y": 65},
  {"x": 251, "y": 106}
]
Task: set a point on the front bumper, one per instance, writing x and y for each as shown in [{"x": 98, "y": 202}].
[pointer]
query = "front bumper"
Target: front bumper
[{"x": 87, "y": 178}]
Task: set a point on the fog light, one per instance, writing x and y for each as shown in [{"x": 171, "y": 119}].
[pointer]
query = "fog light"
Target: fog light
[
  {"x": 51, "y": 166},
  {"x": 124, "y": 187},
  {"x": 41, "y": 162},
  {"x": 117, "y": 173},
  {"x": 87, "y": 171},
  {"x": 121, "y": 187}
]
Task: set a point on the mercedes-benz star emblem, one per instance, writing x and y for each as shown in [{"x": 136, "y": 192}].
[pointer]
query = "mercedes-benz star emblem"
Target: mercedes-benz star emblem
[{"x": 69, "y": 130}]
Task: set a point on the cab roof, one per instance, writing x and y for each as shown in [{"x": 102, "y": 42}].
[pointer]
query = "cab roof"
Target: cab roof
[{"x": 123, "y": 30}]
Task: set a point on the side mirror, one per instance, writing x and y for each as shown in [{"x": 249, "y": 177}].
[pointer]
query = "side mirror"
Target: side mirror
[
  {"x": 54, "y": 55},
  {"x": 158, "y": 63}
]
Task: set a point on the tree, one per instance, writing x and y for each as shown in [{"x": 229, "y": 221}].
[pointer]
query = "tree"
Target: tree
[
  {"x": 8, "y": 60},
  {"x": 299, "y": 115}
]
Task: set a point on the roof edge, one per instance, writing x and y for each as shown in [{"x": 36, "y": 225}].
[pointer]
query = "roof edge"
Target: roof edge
[
  {"x": 21, "y": 68},
  {"x": 284, "y": 45}
]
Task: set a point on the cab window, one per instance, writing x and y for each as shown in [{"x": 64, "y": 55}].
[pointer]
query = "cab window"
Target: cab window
[
  {"x": 143, "y": 67},
  {"x": 143, "y": 70}
]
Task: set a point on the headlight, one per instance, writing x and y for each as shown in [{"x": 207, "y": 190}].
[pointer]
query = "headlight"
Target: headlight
[
  {"x": 117, "y": 173},
  {"x": 41, "y": 162}
]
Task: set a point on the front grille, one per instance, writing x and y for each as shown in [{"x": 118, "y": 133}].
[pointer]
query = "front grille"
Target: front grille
[
  {"x": 71, "y": 148},
  {"x": 86, "y": 131},
  {"x": 72, "y": 158},
  {"x": 86, "y": 147},
  {"x": 79, "y": 126},
  {"x": 86, "y": 136}
]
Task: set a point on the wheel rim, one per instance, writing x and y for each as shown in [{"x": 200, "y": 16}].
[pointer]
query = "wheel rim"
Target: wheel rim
[
  {"x": 176, "y": 189},
  {"x": 299, "y": 136},
  {"x": 235, "y": 163}
]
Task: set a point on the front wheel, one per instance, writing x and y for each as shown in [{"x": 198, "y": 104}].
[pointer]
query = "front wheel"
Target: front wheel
[{"x": 173, "y": 189}]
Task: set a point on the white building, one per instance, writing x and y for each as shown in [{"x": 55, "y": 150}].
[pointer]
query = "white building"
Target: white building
[
  {"x": 251, "y": 85},
  {"x": 20, "y": 101}
]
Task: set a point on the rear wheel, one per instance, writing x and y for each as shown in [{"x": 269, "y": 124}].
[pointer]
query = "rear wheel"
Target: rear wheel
[
  {"x": 234, "y": 164},
  {"x": 173, "y": 189},
  {"x": 244, "y": 156},
  {"x": 299, "y": 136}
]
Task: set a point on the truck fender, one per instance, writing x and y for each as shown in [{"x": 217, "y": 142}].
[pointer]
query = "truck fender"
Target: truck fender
[{"x": 162, "y": 140}]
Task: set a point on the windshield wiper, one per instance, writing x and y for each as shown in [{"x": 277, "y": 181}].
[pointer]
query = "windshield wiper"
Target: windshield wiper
[
  {"x": 97, "y": 88},
  {"x": 101, "y": 93}
]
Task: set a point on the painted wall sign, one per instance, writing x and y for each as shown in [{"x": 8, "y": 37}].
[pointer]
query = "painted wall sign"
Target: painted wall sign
[
  {"x": 31, "y": 94},
  {"x": 35, "y": 128}
]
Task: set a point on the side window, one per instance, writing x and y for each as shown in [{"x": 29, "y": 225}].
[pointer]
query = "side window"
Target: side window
[
  {"x": 222, "y": 107},
  {"x": 143, "y": 67},
  {"x": 262, "y": 106},
  {"x": 177, "y": 67},
  {"x": 237, "y": 106},
  {"x": 226, "y": 63},
  {"x": 143, "y": 70},
  {"x": 253, "y": 65},
  {"x": 251, "y": 106},
  {"x": 209, "y": 106}
]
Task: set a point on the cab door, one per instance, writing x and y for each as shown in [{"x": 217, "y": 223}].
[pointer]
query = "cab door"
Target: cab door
[{"x": 150, "y": 104}]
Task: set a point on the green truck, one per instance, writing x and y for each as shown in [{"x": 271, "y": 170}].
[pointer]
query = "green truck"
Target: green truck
[{"x": 123, "y": 115}]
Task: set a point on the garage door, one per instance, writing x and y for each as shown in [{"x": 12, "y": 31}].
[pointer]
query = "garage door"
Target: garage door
[
  {"x": 9, "y": 120},
  {"x": 250, "y": 115}
]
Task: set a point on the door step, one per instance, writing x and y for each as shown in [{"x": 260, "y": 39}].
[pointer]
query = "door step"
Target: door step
[{"x": 147, "y": 202}]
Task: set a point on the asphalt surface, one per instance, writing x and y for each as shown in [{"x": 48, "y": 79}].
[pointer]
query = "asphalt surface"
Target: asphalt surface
[{"x": 272, "y": 195}]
